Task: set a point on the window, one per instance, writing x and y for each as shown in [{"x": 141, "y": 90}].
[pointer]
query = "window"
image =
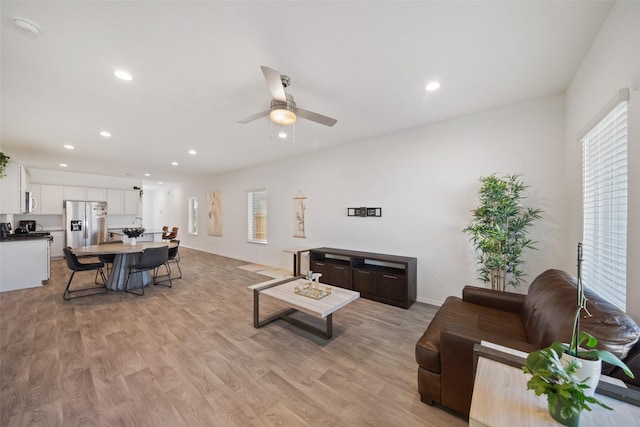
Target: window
[
  {"x": 604, "y": 191},
  {"x": 192, "y": 225},
  {"x": 257, "y": 209}
]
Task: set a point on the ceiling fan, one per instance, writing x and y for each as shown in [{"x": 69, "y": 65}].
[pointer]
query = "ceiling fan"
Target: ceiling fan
[{"x": 283, "y": 109}]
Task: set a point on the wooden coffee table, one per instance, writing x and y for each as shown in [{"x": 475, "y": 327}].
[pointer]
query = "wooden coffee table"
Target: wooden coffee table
[{"x": 283, "y": 290}]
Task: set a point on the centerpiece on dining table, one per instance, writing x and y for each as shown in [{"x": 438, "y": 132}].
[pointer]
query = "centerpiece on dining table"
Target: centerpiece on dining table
[{"x": 133, "y": 233}]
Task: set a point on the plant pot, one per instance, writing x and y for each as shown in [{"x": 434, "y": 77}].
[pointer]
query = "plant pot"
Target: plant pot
[
  {"x": 573, "y": 421},
  {"x": 590, "y": 371},
  {"x": 132, "y": 241}
]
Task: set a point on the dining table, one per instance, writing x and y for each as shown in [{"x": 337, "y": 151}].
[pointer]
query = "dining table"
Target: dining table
[{"x": 126, "y": 255}]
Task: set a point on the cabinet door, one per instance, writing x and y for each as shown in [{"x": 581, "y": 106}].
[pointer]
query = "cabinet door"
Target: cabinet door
[
  {"x": 97, "y": 194},
  {"x": 392, "y": 287},
  {"x": 51, "y": 200},
  {"x": 321, "y": 267},
  {"x": 340, "y": 276},
  {"x": 131, "y": 202},
  {"x": 115, "y": 201},
  {"x": 10, "y": 190},
  {"x": 58, "y": 244},
  {"x": 74, "y": 193},
  {"x": 364, "y": 281}
]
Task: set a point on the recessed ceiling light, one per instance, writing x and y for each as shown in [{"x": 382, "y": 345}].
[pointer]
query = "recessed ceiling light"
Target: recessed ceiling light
[
  {"x": 192, "y": 152},
  {"x": 64, "y": 165},
  {"x": 105, "y": 134},
  {"x": 174, "y": 163},
  {"x": 432, "y": 86},
  {"x": 123, "y": 75},
  {"x": 147, "y": 174},
  {"x": 69, "y": 147},
  {"x": 160, "y": 182},
  {"x": 282, "y": 135},
  {"x": 26, "y": 25}
]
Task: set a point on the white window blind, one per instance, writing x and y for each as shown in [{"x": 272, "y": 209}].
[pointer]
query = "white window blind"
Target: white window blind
[
  {"x": 604, "y": 160},
  {"x": 257, "y": 216},
  {"x": 192, "y": 226}
]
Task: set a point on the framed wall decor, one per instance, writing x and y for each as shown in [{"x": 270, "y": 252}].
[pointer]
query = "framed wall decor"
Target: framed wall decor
[
  {"x": 299, "y": 206},
  {"x": 214, "y": 213}
]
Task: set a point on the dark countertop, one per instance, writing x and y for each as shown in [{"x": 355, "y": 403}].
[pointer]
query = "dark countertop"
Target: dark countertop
[{"x": 29, "y": 236}]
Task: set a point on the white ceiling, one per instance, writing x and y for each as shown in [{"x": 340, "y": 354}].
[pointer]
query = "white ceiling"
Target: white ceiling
[{"x": 196, "y": 68}]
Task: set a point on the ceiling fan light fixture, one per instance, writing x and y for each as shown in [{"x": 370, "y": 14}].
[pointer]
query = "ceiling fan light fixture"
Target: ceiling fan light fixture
[{"x": 282, "y": 116}]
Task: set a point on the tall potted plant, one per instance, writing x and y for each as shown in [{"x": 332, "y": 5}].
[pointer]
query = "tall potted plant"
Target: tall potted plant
[
  {"x": 4, "y": 161},
  {"x": 499, "y": 228}
]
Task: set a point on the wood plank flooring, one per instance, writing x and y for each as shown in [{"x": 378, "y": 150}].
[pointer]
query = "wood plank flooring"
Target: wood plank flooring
[{"x": 189, "y": 356}]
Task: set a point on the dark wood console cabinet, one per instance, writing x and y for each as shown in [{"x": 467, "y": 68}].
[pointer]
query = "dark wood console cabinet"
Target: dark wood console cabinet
[{"x": 390, "y": 279}]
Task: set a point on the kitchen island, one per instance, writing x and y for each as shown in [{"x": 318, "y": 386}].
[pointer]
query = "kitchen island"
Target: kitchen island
[
  {"x": 24, "y": 263},
  {"x": 148, "y": 236}
]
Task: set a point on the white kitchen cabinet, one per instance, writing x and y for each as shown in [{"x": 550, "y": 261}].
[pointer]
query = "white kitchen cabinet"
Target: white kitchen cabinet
[
  {"x": 74, "y": 193},
  {"x": 115, "y": 202},
  {"x": 131, "y": 202},
  {"x": 51, "y": 197},
  {"x": 97, "y": 194},
  {"x": 23, "y": 263},
  {"x": 12, "y": 188},
  {"x": 58, "y": 244}
]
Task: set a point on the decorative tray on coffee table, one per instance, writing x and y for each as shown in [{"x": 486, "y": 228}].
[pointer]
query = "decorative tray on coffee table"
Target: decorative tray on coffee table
[{"x": 312, "y": 290}]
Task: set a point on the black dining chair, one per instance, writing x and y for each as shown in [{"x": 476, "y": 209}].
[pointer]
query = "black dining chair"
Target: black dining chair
[
  {"x": 107, "y": 258},
  {"x": 174, "y": 256},
  {"x": 75, "y": 266},
  {"x": 151, "y": 259}
]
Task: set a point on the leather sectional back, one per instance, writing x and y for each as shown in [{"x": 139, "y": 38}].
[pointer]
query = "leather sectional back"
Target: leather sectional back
[{"x": 549, "y": 310}]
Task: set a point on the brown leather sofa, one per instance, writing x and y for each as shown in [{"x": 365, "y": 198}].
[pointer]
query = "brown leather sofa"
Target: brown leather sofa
[{"x": 526, "y": 322}]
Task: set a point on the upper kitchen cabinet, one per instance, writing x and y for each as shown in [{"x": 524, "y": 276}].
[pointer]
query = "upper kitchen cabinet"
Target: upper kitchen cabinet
[
  {"x": 51, "y": 199},
  {"x": 131, "y": 202},
  {"x": 13, "y": 188},
  {"x": 74, "y": 193},
  {"x": 115, "y": 201},
  {"x": 97, "y": 194}
]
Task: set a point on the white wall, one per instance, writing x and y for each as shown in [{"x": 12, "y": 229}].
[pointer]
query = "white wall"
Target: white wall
[
  {"x": 424, "y": 179},
  {"x": 612, "y": 63}
]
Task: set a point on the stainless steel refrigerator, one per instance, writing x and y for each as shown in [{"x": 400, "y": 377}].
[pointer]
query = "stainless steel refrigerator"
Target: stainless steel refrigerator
[{"x": 85, "y": 223}]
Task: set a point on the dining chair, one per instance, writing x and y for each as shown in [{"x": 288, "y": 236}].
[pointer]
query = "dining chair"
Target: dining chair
[
  {"x": 165, "y": 231},
  {"x": 75, "y": 266},
  {"x": 151, "y": 259},
  {"x": 174, "y": 256},
  {"x": 107, "y": 258},
  {"x": 173, "y": 234}
]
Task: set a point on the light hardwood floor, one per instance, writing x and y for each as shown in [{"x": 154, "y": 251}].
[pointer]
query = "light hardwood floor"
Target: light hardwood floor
[{"x": 189, "y": 356}]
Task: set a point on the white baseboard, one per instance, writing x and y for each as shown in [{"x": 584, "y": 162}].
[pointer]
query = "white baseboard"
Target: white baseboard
[{"x": 429, "y": 301}]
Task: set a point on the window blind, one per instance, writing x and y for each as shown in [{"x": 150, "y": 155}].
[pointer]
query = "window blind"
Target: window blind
[
  {"x": 604, "y": 161},
  {"x": 257, "y": 216}
]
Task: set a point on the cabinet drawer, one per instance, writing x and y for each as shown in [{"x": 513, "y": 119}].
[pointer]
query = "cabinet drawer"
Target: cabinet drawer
[
  {"x": 341, "y": 276},
  {"x": 392, "y": 287},
  {"x": 364, "y": 281}
]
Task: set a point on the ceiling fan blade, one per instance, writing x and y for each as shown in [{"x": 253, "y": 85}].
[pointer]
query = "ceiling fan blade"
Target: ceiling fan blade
[
  {"x": 255, "y": 116},
  {"x": 275, "y": 84},
  {"x": 315, "y": 117}
]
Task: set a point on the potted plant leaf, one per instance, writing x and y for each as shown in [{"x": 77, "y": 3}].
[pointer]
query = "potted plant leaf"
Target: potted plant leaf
[
  {"x": 498, "y": 230},
  {"x": 133, "y": 233},
  {"x": 4, "y": 161},
  {"x": 556, "y": 369}
]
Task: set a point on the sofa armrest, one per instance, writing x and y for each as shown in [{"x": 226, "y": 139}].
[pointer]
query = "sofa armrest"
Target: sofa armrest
[
  {"x": 505, "y": 301},
  {"x": 456, "y": 363}
]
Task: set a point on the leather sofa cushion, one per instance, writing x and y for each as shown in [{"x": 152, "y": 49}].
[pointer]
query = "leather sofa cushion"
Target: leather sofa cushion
[
  {"x": 548, "y": 315},
  {"x": 458, "y": 314}
]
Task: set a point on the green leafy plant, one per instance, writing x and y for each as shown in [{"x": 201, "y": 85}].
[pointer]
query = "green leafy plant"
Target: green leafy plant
[
  {"x": 557, "y": 381},
  {"x": 4, "y": 161},
  {"x": 499, "y": 228}
]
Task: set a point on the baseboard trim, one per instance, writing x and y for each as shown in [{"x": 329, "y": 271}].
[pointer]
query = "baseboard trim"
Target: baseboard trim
[{"x": 429, "y": 301}]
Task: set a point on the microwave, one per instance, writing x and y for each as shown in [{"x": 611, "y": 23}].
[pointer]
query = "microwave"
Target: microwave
[{"x": 29, "y": 202}]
